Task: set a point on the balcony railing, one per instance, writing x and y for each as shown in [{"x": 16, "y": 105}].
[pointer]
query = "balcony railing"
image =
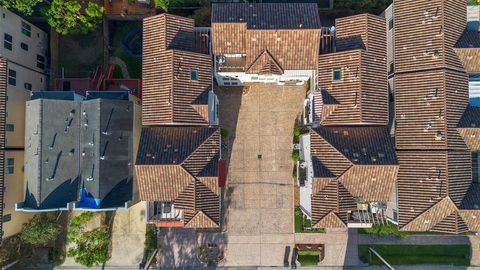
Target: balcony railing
[
  {"x": 230, "y": 64},
  {"x": 163, "y": 211},
  {"x": 367, "y": 215}
]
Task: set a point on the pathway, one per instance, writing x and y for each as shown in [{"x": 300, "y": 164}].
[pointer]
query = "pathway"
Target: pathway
[
  {"x": 259, "y": 200},
  {"x": 117, "y": 61}
]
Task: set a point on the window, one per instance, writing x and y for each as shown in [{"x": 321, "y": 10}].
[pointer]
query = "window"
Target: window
[
  {"x": 7, "y": 218},
  {"x": 12, "y": 77},
  {"x": 475, "y": 172},
  {"x": 27, "y": 86},
  {"x": 26, "y": 29},
  {"x": 10, "y": 166},
  {"x": 194, "y": 74},
  {"x": 337, "y": 74},
  {"x": 7, "y": 41},
  {"x": 40, "y": 61},
  {"x": 10, "y": 127},
  {"x": 24, "y": 46},
  {"x": 391, "y": 68},
  {"x": 390, "y": 24}
]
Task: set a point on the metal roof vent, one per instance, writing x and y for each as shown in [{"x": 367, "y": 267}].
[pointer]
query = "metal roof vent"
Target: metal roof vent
[
  {"x": 89, "y": 178},
  {"x": 439, "y": 136},
  {"x": 49, "y": 179}
]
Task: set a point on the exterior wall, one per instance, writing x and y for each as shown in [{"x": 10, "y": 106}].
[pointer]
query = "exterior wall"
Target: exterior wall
[
  {"x": 14, "y": 193},
  {"x": 388, "y": 14},
  {"x": 16, "y": 97},
  {"x": 239, "y": 78},
  {"x": 37, "y": 42}
]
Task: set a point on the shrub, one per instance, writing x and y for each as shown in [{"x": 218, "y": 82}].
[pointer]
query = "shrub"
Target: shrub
[
  {"x": 202, "y": 16},
  {"x": 296, "y": 133},
  {"x": 296, "y": 155},
  {"x": 150, "y": 241},
  {"x": 91, "y": 248},
  {"x": 77, "y": 223},
  {"x": 39, "y": 230},
  {"x": 473, "y": 2},
  {"x": 389, "y": 229},
  {"x": 224, "y": 133}
]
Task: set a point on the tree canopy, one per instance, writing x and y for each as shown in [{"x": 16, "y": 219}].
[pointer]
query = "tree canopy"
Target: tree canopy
[
  {"x": 66, "y": 16},
  {"x": 39, "y": 230},
  {"x": 23, "y": 6},
  {"x": 70, "y": 17}
]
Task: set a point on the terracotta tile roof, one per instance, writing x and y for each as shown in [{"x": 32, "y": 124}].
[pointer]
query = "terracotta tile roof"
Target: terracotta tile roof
[
  {"x": 472, "y": 198},
  {"x": 200, "y": 220},
  {"x": 361, "y": 92},
  {"x": 469, "y": 39},
  {"x": 347, "y": 170},
  {"x": 426, "y": 177},
  {"x": 445, "y": 217},
  {"x": 265, "y": 64},
  {"x": 470, "y": 58},
  {"x": 361, "y": 145},
  {"x": 161, "y": 182},
  {"x": 268, "y": 15},
  {"x": 331, "y": 220},
  {"x": 471, "y": 217},
  {"x": 371, "y": 183},
  {"x": 171, "y": 93},
  {"x": 469, "y": 127},
  {"x": 180, "y": 164},
  {"x": 425, "y": 33},
  {"x": 293, "y": 47},
  {"x": 171, "y": 145},
  {"x": 470, "y": 118}
]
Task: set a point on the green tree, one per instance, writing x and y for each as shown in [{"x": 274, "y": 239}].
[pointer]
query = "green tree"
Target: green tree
[
  {"x": 39, "y": 230},
  {"x": 91, "y": 248},
  {"x": 71, "y": 17},
  {"x": 23, "y": 6},
  {"x": 163, "y": 4}
]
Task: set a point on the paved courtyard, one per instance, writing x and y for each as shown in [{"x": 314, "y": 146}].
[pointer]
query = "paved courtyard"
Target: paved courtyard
[{"x": 259, "y": 197}]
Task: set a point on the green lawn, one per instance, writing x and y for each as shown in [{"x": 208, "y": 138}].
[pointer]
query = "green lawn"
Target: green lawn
[
  {"x": 388, "y": 229},
  {"x": 307, "y": 223},
  {"x": 308, "y": 258},
  {"x": 134, "y": 65},
  {"x": 298, "y": 220},
  {"x": 417, "y": 254}
]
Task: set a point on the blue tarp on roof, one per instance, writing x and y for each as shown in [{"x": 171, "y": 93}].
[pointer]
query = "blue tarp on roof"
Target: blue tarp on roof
[{"x": 87, "y": 201}]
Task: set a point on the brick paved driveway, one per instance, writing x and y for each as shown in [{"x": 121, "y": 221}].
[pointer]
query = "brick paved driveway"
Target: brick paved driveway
[{"x": 259, "y": 199}]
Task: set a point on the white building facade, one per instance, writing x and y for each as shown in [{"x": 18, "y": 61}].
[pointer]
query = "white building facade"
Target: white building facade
[{"x": 25, "y": 48}]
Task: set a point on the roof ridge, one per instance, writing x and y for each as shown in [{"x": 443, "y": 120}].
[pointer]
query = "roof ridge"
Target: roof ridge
[{"x": 201, "y": 216}]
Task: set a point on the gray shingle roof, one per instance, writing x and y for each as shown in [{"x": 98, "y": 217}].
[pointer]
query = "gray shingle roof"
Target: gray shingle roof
[{"x": 268, "y": 15}]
